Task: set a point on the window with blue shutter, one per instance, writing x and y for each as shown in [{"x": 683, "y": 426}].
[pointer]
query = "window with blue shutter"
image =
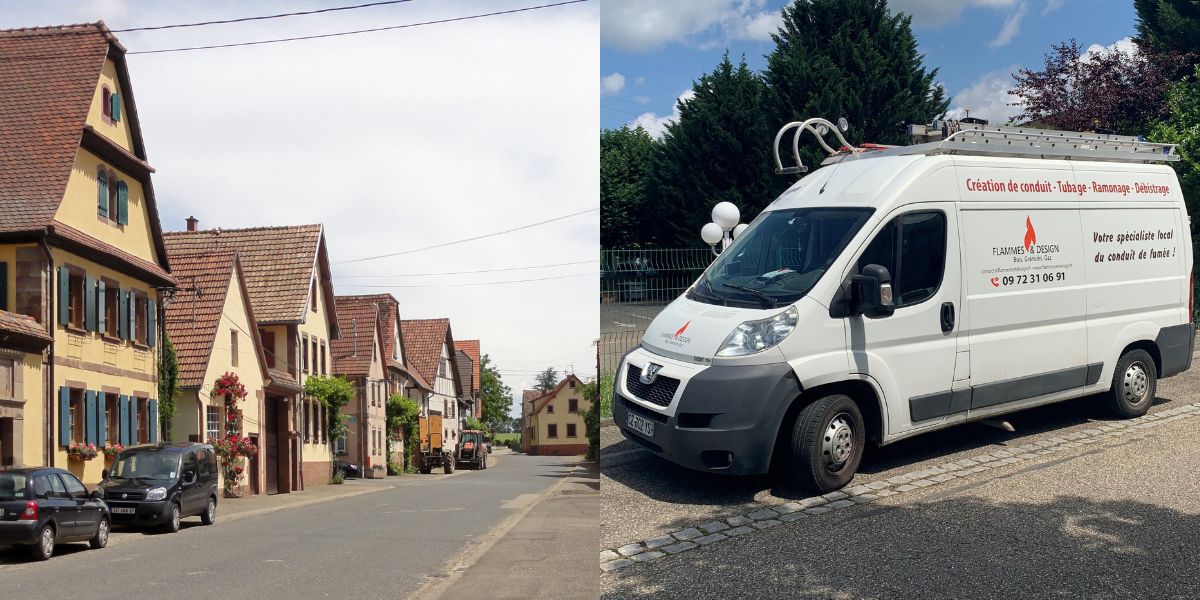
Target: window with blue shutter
[
  {"x": 153, "y": 411},
  {"x": 116, "y": 106},
  {"x": 151, "y": 321},
  {"x": 122, "y": 203},
  {"x": 101, "y": 418},
  {"x": 123, "y": 314},
  {"x": 3, "y": 286},
  {"x": 64, "y": 296},
  {"x": 133, "y": 421},
  {"x": 123, "y": 420},
  {"x": 102, "y": 191},
  {"x": 89, "y": 412},
  {"x": 89, "y": 304},
  {"x": 101, "y": 322},
  {"x": 64, "y": 416}
]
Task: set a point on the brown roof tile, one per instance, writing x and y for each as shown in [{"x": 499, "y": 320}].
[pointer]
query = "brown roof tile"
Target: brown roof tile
[
  {"x": 465, "y": 368},
  {"x": 107, "y": 253},
  {"x": 22, "y": 331},
  {"x": 278, "y": 263},
  {"x": 423, "y": 339},
  {"x": 471, "y": 347},
  {"x": 353, "y": 351},
  {"x": 283, "y": 381},
  {"x": 195, "y": 311}
]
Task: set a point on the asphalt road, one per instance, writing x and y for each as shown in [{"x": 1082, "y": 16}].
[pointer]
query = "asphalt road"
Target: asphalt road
[
  {"x": 378, "y": 545},
  {"x": 1115, "y": 517}
]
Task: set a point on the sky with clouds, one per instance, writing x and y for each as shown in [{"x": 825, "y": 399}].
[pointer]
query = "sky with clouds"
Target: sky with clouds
[
  {"x": 394, "y": 140},
  {"x": 652, "y": 50}
]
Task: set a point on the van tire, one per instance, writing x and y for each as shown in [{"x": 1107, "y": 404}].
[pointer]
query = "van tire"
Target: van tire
[
  {"x": 209, "y": 516},
  {"x": 827, "y": 443},
  {"x": 1134, "y": 384},
  {"x": 173, "y": 519}
]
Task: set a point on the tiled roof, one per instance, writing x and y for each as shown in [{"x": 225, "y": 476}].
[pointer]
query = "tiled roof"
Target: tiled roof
[
  {"x": 194, "y": 314},
  {"x": 353, "y": 351},
  {"x": 423, "y": 339},
  {"x": 464, "y": 366},
  {"x": 283, "y": 380},
  {"x": 49, "y": 77},
  {"x": 23, "y": 328},
  {"x": 537, "y": 404},
  {"x": 278, "y": 263},
  {"x": 387, "y": 318},
  {"x": 471, "y": 347},
  {"x": 107, "y": 253},
  {"x": 416, "y": 377}
]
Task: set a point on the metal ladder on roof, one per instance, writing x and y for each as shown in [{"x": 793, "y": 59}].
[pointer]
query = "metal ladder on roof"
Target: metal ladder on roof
[{"x": 955, "y": 137}]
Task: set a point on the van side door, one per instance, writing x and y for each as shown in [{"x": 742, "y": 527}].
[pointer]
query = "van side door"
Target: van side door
[
  {"x": 911, "y": 353},
  {"x": 189, "y": 483}
]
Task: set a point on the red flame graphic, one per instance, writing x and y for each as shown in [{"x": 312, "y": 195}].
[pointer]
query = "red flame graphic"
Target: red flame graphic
[
  {"x": 1030, "y": 235},
  {"x": 682, "y": 329}
]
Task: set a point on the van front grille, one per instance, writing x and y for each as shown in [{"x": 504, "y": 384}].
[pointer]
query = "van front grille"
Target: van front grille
[
  {"x": 660, "y": 393},
  {"x": 115, "y": 495}
]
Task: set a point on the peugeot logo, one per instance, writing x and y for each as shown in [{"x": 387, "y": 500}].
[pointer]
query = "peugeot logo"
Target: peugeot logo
[
  {"x": 124, "y": 496},
  {"x": 650, "y": 373}
]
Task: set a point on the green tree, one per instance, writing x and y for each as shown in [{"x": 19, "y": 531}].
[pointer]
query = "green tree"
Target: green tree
[
  {"x": 854, "y": 59},
  {"x": 495, "y": 396},
  {"x": 625, "y": 156},
  {"x": 546, "y": 380},
  {"x": 402, "y": 413},
  {"x": 718, "y": 150},
  {"x": 1168, "y": 26},
  {"x": 333, "y": 393},
  {"x": 1182, "y": 127},
  {"x": 168, "y": 386},
  {"x": 591, "y": 419}
]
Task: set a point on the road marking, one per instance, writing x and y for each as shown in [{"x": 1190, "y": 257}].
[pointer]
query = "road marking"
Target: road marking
[
  {"x": 520, "y": 501},
  {"x": 765, "y": 515}
]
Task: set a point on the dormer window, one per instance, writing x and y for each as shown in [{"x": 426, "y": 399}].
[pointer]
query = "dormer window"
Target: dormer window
[
  {"x": 110, "y": 104},
  {"x": 112, "y": 197}
]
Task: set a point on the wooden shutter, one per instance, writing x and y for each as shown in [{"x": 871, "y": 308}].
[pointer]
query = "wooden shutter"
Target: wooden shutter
[
  {"x": 123, "y": 420},
  {"x": 152, "y": 322},
  {"x": 64, "y": 416},
  {"x": 131, "y": 306},
  {"x": 102, "y": 191},
  {"x": 133, "y": 420},
  {"x": 89, "y": 417},
  {"x": 89, "y": 304},
  {"x": 123, "y": 314},
  {"x": 101, "y": 418},
  {"x": 64, "y": 296},
  {"x": 153, "y": 411},
  {"x": 101, "y": 322},
  {"x": 122, "y": 203},
  {"x": 3, "y": 286},
  {"x": 116, "y": 106}
]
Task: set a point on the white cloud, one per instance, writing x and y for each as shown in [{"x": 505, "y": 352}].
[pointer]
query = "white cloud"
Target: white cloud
[
  {"x": 1011, "y": 27},
  {"x": 934, "y": 13},
  {"x": 987, "y": 98},
  {"x": 655, "y": 124},
  {"x": 383, "y": 138},
  {"x": 1124, "y": 45},
  {"x": 641, "y": 80},
  {"x": 612, "y": 84},
  {"x": 1052, "y": 5},
  {"x": 646, "y": 25},
  {"x": 642, "y": 99}
]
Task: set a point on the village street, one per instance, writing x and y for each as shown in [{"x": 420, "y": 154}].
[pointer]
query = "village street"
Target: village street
[{"x": 391, "y": 542}]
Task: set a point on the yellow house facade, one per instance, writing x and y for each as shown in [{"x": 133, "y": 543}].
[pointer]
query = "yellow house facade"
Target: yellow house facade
[
  {"x": 81, "y": 244},
  {"x": 554, "y": 422}
]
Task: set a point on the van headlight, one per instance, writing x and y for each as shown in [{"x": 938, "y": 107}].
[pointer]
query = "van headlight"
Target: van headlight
[
  {"x": 755, "y": 336},
  {"x": 158, "y": 493}
]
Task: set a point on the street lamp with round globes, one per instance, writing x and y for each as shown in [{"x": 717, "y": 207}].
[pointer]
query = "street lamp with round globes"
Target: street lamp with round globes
[
  {"x": 724, "y": 228},
  {"x": 739, "y": 229},
  {"x": 711, "y": 234},
  {"x": 726, "y": 215}
]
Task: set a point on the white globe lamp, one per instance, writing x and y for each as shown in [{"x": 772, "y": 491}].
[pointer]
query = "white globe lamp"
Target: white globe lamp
[
  {"x": 726, "y": 215},
  {"x": 711, "y": 233},
  {"x": 739, "y": 229}
]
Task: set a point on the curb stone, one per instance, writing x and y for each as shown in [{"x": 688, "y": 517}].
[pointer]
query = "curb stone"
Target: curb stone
[{"x": 776, "y": 515}]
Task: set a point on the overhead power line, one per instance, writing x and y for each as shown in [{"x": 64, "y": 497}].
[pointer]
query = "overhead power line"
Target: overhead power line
[
  {"x": 261, "y": 17},
  {"x": 580, "y": 262},
  {"x": 464, "y": 240},
  {"x": 474, "y": 283},
  {"x": 358, "y": 31}
]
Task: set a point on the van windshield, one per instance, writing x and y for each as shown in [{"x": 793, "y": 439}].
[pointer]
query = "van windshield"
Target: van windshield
[
  {"x": 146, "y": 466},
  {"x": 780, "y": 257}
]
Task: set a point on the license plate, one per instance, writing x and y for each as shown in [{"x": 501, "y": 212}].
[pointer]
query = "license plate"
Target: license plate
[
  {"x": 121, "y": 510},
  {"x": 640, "y": 424}
]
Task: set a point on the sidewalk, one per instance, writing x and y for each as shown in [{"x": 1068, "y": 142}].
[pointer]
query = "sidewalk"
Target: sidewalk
[{"x": 549, "y": 553}]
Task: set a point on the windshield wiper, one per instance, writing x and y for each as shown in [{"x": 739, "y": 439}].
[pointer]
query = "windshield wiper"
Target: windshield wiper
[{"x": 765, "y": 297}]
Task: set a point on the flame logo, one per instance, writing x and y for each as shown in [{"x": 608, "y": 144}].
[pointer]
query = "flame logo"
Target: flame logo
[
  {"x": 1030, "y": 234},
  {"x": 682, "y": 329}
]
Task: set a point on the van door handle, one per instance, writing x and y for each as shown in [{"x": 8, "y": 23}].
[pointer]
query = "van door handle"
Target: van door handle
[{"x": 947, "y": 316}]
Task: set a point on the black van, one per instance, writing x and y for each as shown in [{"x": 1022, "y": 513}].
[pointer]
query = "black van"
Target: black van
[{"x": 159, "y": 484}]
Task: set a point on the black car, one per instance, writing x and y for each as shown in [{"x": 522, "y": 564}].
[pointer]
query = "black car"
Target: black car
[
  {"x": 44, "y": 506},
  {"x": 348, "y": 470},
  {"x": 153, "y": 485}
]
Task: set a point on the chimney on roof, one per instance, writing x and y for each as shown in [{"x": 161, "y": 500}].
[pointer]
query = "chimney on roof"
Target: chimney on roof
[{"x": 191, "y": 223}]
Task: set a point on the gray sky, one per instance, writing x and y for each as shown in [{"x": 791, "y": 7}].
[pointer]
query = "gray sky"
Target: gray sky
[{"x": 394, "y": 140}]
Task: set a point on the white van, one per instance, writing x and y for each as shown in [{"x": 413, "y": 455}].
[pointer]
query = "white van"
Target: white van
[{"x": 907, "y": 289}]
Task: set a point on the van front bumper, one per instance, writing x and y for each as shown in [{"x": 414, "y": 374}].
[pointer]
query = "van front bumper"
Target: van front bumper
[
  {"x": 146, "y": 514},
  {"x": 723, "y": 419}
]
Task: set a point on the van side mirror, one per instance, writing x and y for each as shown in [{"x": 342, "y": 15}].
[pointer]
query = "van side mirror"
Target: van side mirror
[
  {"x": 871, "y": 292},
  {"x": 189, "y": 476},
  {"x": 104, "y": 474}
]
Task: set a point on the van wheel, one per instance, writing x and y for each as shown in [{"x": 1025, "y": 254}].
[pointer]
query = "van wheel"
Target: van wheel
[
  {"x": 1135, "y": 382},
  {"x": 43, "y": 549},
  {"x": 100, "y": 540},
  {"x": 827, "y": 443},
  {"x": 173, "y": 522},
  {"x": 209, "y": 516}
]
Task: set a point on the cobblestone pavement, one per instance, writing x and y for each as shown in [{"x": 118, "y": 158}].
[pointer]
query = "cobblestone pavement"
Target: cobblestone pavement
[{"x": 653, "y": 510}]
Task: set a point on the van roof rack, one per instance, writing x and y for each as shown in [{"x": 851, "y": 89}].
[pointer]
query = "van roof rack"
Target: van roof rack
[{"x": 980, "y": 139}]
